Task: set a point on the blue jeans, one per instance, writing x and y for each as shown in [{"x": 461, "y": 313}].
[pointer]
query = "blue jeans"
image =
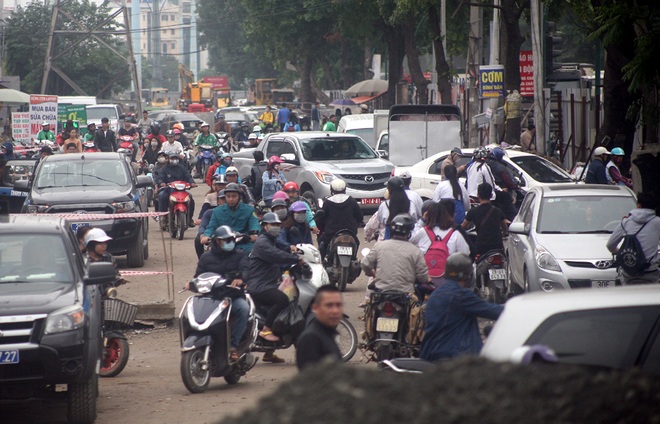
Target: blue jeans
[{"x": 240, "y": 310}]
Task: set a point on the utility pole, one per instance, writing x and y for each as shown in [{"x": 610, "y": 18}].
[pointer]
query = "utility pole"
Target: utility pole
[
  {"x": 494, "y": 60},
  {"x": 537, "y": 54},
  {"x": 472, "y": 72},
  {"x": 157, "y": 75}
]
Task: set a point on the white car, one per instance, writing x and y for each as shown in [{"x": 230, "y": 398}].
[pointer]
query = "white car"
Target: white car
[
  {"x": 532, "y": 171},
  {"x": 615, "y": 328}
]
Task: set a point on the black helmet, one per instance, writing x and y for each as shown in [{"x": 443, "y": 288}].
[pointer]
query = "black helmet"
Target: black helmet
[
  {"x": 245, "y": 124},
  {"x": 427, "y": 204},
  {"x": 279, "y": 202},
  {"x": 223, "y": 232},
  {"x": 270, "y": 218},
  {"x": 155, "y": 129},
  {"x": 233, "y": 187},
  {"x": 458, "y": 266},
  {"x": 402, "y": 225},
  {"x": 173, "y": 155},
  {"x": 395, "y": 183}
]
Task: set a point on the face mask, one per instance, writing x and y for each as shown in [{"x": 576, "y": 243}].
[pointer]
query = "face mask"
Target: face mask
[
  {"x": 274, "y": 230},
  {"x": 154, "y": 144},
  {"x": 228, "y": 246},
  {"x": 162, "y": 160},
  {"x": 300, "y": 217},
  {"x": 174, "y": 162},
  {"x": 226, "y": 162},
  {"x": 281, "y": 213}
]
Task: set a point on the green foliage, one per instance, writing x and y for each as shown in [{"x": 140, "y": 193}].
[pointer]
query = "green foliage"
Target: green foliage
[
  {"x": 170, "y": 74},
  {"x": 90, "y": 64}
]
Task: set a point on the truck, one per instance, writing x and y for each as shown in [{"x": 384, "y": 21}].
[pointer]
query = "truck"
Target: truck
[
  {"x": 196, "y": 96},
  {"x": 415, "y": 132},
  {"x": 220, "y": 88},
  {"x": 264, "y": 91}
]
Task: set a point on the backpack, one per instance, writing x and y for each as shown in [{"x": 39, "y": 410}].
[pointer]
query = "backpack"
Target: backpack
[
  {"x": 631, "y": 257},
  {"x": 436, "y": 256}
]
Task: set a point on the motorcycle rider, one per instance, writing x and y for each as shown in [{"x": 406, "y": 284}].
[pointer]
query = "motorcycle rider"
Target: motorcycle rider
[
  {"x": 237, "y": 215},
  {"x": 221, "y": 125},
  {"x": 597, "y": 172},
  {"x": 46, "y": 134},
  {"x": 503, "y": 198},
  {"x": 292, "y": 190},
  {"x": 174, "y": 171},
  {"x": 268, "y": 119},
  {"x": 341, "y": 211},
  {"x": 172, "y": 146},
  {"x": 243, "y": 133},
  {"x": 226, "y": 161},
  {"x": 96, "y": 243},
  {"x": 151, "y": 153},
  {"x": 181, "y": 137},
  {"x": 273, "y": 179},
  {"x": 396, "y": 264},
  {"x": 613, "y": 173},
  {"x": 453, "y": 159},
  {"x": 206, "y": 138},
  {"x": 415, "y": 198},
  {"x": 223, "y": 259},
  {"x": 232, "y": 177},
  {"x": 295, "y": 219},
  {"x": 91, "y": 131},
  {"x": 479, "y": 172},
  {"x": 489, "y": 221},
  {"x": 128, "y": 130},
  {"x": 257, "y": 170},
  {"x": 264, "y": 278},
  {"x": 451, "y": 314}
]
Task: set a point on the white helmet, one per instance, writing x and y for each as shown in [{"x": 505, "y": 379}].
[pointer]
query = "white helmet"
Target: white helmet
[
  {"x": 256, "y": 128},
  {"x": 252, "y": 136},
  {"x": 97, "y": 235},
  {"x": 601, "y": 151},
  {"x": 338, "y": 186}
]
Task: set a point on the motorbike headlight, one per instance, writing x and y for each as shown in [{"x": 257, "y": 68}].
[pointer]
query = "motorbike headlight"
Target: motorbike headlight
[
  {"x": 545, "y": 260},
  {"x": 180, "y": 187},
  {"x": 124, "y": 206},
  {"x": 325, "y": 177},
  {"x": 65, "y": 319},
  {"x": 36, "y": 208}
]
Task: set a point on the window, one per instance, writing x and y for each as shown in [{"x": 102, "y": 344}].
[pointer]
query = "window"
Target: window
[
  {"x": 436, "y": 168},
  {"x": 331, "y": 149},
  {"x": 278, "y": 148},
  {"x": 164, "y": 18},
  {"x": 173, "y": 46},
  {"x": 172, "y": 18},
  {"x": 172, "y": 32},
  {"x": 16, "y": 250},
  {"x": 652, "y": 363},
  {"x": 15, "y": 173},
  {"x": 164, "y": 48},
  {"x": 582, "y": 214}
]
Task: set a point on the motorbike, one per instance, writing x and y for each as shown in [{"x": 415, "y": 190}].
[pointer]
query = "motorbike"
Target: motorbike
[
  {"x": 117, "y": 314},
  {"x": 189, "y": 158},
  {"x": 305, "y": 284},
  {"x": 177, "y": 220},
  {"x": 341, "y": 261},
  {"x": 126, "y": 142},
  {"x": 207, "y": 156},
  {"x": 205, "y": 332},
  {"x": 491, "y": 276},
  {"x": 223, "y": 141},
  {"x": 89, "y": 147},
  {"x": 147, "y": 169}
]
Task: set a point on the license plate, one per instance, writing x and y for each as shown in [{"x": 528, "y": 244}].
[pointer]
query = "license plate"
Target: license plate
[
  {"x": 345, "y": 250},
  {"x": 8, "y": 357},
  {"x": 497, "y": 274},
  {"x": 375, "y": 201},
  {"x": 387, "y": 325},
  {"x": 601, "y": 284},
  {"x": 77, "y": 225}
]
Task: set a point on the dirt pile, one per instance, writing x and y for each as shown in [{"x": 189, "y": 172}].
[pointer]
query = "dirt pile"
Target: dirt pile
[{"x": 461, "y": 391}]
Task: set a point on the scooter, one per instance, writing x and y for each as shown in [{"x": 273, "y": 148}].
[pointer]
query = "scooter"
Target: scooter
[
  {"x": 386, "y": 322},
  {"x": 126, "y": 142},
  {"x": 89, "y": 147},
  {"x": 341, "y": 261},
  {"x": 491, "y": 276},
  {"x": 117, "y": 314},
  {"x": 306, "y": 280},
  {"x": 177, "y": 220},
  {"x": 205, "y": 332},
  {"x": 207, "y": 157}
]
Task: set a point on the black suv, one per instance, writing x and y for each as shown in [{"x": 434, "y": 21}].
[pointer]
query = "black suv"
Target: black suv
[
  {"x": 50, "y": 314},
  {"x": 94, "y": 183}
]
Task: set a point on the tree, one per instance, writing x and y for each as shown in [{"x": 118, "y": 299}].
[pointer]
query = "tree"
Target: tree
[
  {"x": 170, "y": 72},
  {"x": 90, "y": 64}
]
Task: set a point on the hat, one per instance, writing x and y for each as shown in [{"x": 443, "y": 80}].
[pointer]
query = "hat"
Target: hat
[
  {"x": 204, "y": 124},
  {"x": 47, "y": 149},
  {"x": 456, "y": 150},
  {"x": 221, "y": 194},
  {"x": 231, "y": 170},
  {"x": 252, "y": 136},
  {"x": 97, "y": 235},
  {"x": 601, "y": 151},
  {"x": 45, "y": 123},
  {"x": 405, "y": 175},
  {"x": 169, "y": 133},
  {"x": 177, "y": 131}
]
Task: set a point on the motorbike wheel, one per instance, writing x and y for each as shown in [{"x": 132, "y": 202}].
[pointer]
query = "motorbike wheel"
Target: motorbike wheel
[
  {"x": 180, "y": 224},
  {"x": 115, "y": 357},
  {"x": 232, "y": 378},
  {"x": 205, "y": 170},
  {"x": 343, "y": 279},
  {"x": 347, "y": 339},
  {"x": 383, "y": 352},
  {"x": 498, "y": 295},
  {"x": 194, "y": 377}
]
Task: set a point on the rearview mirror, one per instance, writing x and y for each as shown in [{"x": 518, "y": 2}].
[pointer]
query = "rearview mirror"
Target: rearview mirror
[
  {"x": 518, "y": 227},
  {"x": 289, "y": 157},
  {"x": 383, "y": 154},
  {"x": 100, "y": 273},
  {"x": 22, "y": 185}
]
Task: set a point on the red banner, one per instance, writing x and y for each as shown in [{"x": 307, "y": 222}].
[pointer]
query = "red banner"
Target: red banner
[
  {"x": 217, "y": 82},
  {"x": 526, "y": 73}
]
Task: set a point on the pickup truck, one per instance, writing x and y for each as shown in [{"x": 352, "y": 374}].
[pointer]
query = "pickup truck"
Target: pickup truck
[
  {"x": 51, "y": 315},
  {"x": 315, "y": 159},
  {"x": 12, "y": 171}
]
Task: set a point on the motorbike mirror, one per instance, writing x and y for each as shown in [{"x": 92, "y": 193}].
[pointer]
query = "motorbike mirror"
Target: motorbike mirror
[{"x": 365, "y": 251}]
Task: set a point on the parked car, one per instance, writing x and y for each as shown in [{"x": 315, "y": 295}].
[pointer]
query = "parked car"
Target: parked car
[
  {"x": 530, "y": 169},
  {"x": 15, "y": 170},
  {"x": 234, "y": 119},
  {"x": 93, "y": 183},
  {"x": 51, "y": 315},
  {"x": 114, "y": 113},
  {"x": 557, "y": 240},
  {"x": 614, "y": 328},
  {"x": 189, "y": 121},
  {"x": 315, "y": 159}
]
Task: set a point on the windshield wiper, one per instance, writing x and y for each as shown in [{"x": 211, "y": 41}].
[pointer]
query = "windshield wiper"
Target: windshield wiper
[
  {"x": 594, "y": 232},
  {"x": 99, "y": 178},
  {"x": 551, "y": 232}
]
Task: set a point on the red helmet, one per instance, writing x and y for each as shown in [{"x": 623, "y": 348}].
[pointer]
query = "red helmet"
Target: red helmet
[
  {"x": 274, "y": 159},
  {"x": 291, "y": 186}
]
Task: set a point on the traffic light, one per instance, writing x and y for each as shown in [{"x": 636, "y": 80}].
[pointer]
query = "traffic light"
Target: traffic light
[{"x": 553, "y": 45}]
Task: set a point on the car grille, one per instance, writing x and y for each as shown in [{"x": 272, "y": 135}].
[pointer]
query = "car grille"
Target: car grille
[
  {"x": 361, "y": 177},
  {"x": 22, "y": 371},
  {"x": 96, "y": 209},
  {"x": 18, "y": 329},
  {"x": 604, "y": 264},
  {"x": 579, "y": 284},
  {"x": 366, "y": 187}
]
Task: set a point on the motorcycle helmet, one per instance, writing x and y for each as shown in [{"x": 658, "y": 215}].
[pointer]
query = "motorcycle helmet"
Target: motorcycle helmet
[
  {"x": 245, "y": 124},
  {"x": 299, "y": 206},
  {"x": 223, "y": 232},
  {"x": 219, "y": 179},
  {"x": 169, "y": 133},
  {"x": 498, "y": 153},
  {"x": 173, "y": 155},
  {"x": 338, "y": 186},
  {"x": 458, "y": 266},
  {"x": 291, "y": 186},
  {"x": 252, "y": 136},
  {"x": 618, "y": 151},
  {"x": 256, "y": 128},
  {"x": 456, "y": 151},
  {"x": 426, "y": 205},
  {"x": 270, "y": 218},
  {"x": 220, "y": 116},
  {"x": 402, "y": 225},
  {"x": 232, "y": 170},
  {"x": 281, "y": 195},
  {"x": 480, "y": 153},
  {"x": 406, "y": 176},
  {"x": 204, "y": 124},
  {"x": 96, "y": 235},
  {"x": 273, "y": 160},
  {"x": 395, "y": 183},
  {"x": 178, "y": 126},
  {"x": 226, "y": 155},
  {"x": 155, "y": 129},
  {"x": 176, "y": 131},
  {"x": 232, "y": 187},
  {"x": 278, "y": 202},
  {"x": 221, "y": 194}
]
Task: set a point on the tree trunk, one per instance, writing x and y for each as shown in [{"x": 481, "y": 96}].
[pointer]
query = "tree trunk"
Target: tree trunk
[
  {"x": 421, "y": 83},
  {"x": 344, "y": 51},
  {"x": 318, "y": 93},
  {"x": 368, "y": 47},
  {"x": 395, "y": 55},
  {"x": 305, "y": 67},
  {"x": 510, "y": 17},
  {"x": 441, "y": 65},
  {"x": 329, "y": 80}
]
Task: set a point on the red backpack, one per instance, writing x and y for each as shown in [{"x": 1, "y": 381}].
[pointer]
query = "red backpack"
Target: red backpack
[{"x": 436, "y": 256}]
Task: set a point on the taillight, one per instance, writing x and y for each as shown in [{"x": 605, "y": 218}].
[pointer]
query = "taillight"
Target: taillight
[
  {"x": 388, "y": 309},
  {"x": 392, "y": 173},
  {"x": 495, "y": 260}
]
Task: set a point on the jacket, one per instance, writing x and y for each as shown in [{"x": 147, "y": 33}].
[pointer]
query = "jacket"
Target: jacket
[
  {"x": 105, "y": 141},
  {"x": 233, "y": 264},
  {"x": 9, "y": 147},
  {"x": 315, "y": 344},
  {"x": 398, "y": 264},
  {"x": 288, "y": 238},
  {"x": 648, "y": 237},
  {"x": 171, "y": 173},
  {"x": 256, "y": 177},
  {"x": 341, "y": 212},
  {"x": 596, "y": 173},
  {"x": 271, "y": 184},
  {"x": 240, "y": 219},
  {"x": 451, "y": 322},
  {"x": 265, "y": 261}
]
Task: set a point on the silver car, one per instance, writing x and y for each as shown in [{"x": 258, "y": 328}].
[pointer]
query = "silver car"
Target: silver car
[{"x": 557, "y": 240}]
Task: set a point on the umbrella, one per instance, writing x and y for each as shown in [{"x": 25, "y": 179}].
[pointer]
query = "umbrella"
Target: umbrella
[
  {"x": 343, "y": 102},
  {"x": 367, "y": 88},
  {"x": 8, "y": 95}
]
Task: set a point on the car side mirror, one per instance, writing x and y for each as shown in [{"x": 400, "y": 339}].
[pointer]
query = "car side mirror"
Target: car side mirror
[
  {"x": 144, "y": 181},
  {"x": 519, "y": 181},
  {"x": 383, "y": 154},
  {"x": 122, "y": 116},
  {"x": 22, "y": 185},
  {"x": 100, "y": 273},
  {"x": 518, "y": 227},
  {"x": 289, "y": 158}
]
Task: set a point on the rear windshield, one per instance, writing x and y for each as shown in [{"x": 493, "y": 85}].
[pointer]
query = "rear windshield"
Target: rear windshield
[
  {"x": 583, "y": 214},
  {"x": 98, "y": 113},
  {"x": 29, "y": 258},
  {"x": 331, "y": 148},
  {"x": 99, "y": 174},
  {"x": 542, "y": 170}
]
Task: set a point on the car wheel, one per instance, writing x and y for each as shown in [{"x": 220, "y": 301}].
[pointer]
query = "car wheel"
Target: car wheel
[
  {"x": 526, "y": 281},
  {"x": 81, "y": 399},
  {"x": 310, "y": 198},
  {"x": 135, "y": 255},
  {"x": 514, "y": 288}
]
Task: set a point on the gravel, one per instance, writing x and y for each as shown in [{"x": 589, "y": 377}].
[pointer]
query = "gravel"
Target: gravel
[{"x": 461, "y": 391}]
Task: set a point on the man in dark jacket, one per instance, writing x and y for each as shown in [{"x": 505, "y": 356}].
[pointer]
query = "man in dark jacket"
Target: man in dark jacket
[
  {"x": 317, "y": 342},
  {"x": 105, "y": 138},
  {"x": 451, "y": 314},
  {"x": 597, "y": 173},
  {"x": 341, "y": 212},
  {"x": 225, "y": 260},
  {"x": 173, "y": 171}
]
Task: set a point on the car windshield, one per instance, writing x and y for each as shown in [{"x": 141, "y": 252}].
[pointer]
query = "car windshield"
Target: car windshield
[
  {"x": 331, "y": 148},
  {"x": 582, "y": 214},
  {"x": 366, "y": 134},
  {"x": 233, "y": 116},
  {"x": 542, "y": 170},
  {"x": 98, "y": 113},
  {"x": 99, "y": 174},
  {"x": 33, "y": 258}
]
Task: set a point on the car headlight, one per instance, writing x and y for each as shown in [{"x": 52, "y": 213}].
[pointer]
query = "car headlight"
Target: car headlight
[
  {"x": 545, "y": 260},
  {"x": 325, "y": 177},
  {"x": 65, "y": 319},
  {"x": 124, "y": 206},
  {"x": 36, "y": 208}
]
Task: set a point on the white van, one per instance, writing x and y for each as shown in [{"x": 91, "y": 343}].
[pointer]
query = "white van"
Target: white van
[
  {"x": 361, "y": 125},
  {"x": 111, "y": 111},
  {"x": 76, "y": 100}
]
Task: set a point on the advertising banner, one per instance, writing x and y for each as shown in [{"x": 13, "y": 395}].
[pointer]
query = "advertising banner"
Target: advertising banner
[
  {"x": 491, "y": 81},
  {"x": 20, "y": 126},
  {"x": 42, "y": 109},
  {"x": 526, "y": 73}
]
